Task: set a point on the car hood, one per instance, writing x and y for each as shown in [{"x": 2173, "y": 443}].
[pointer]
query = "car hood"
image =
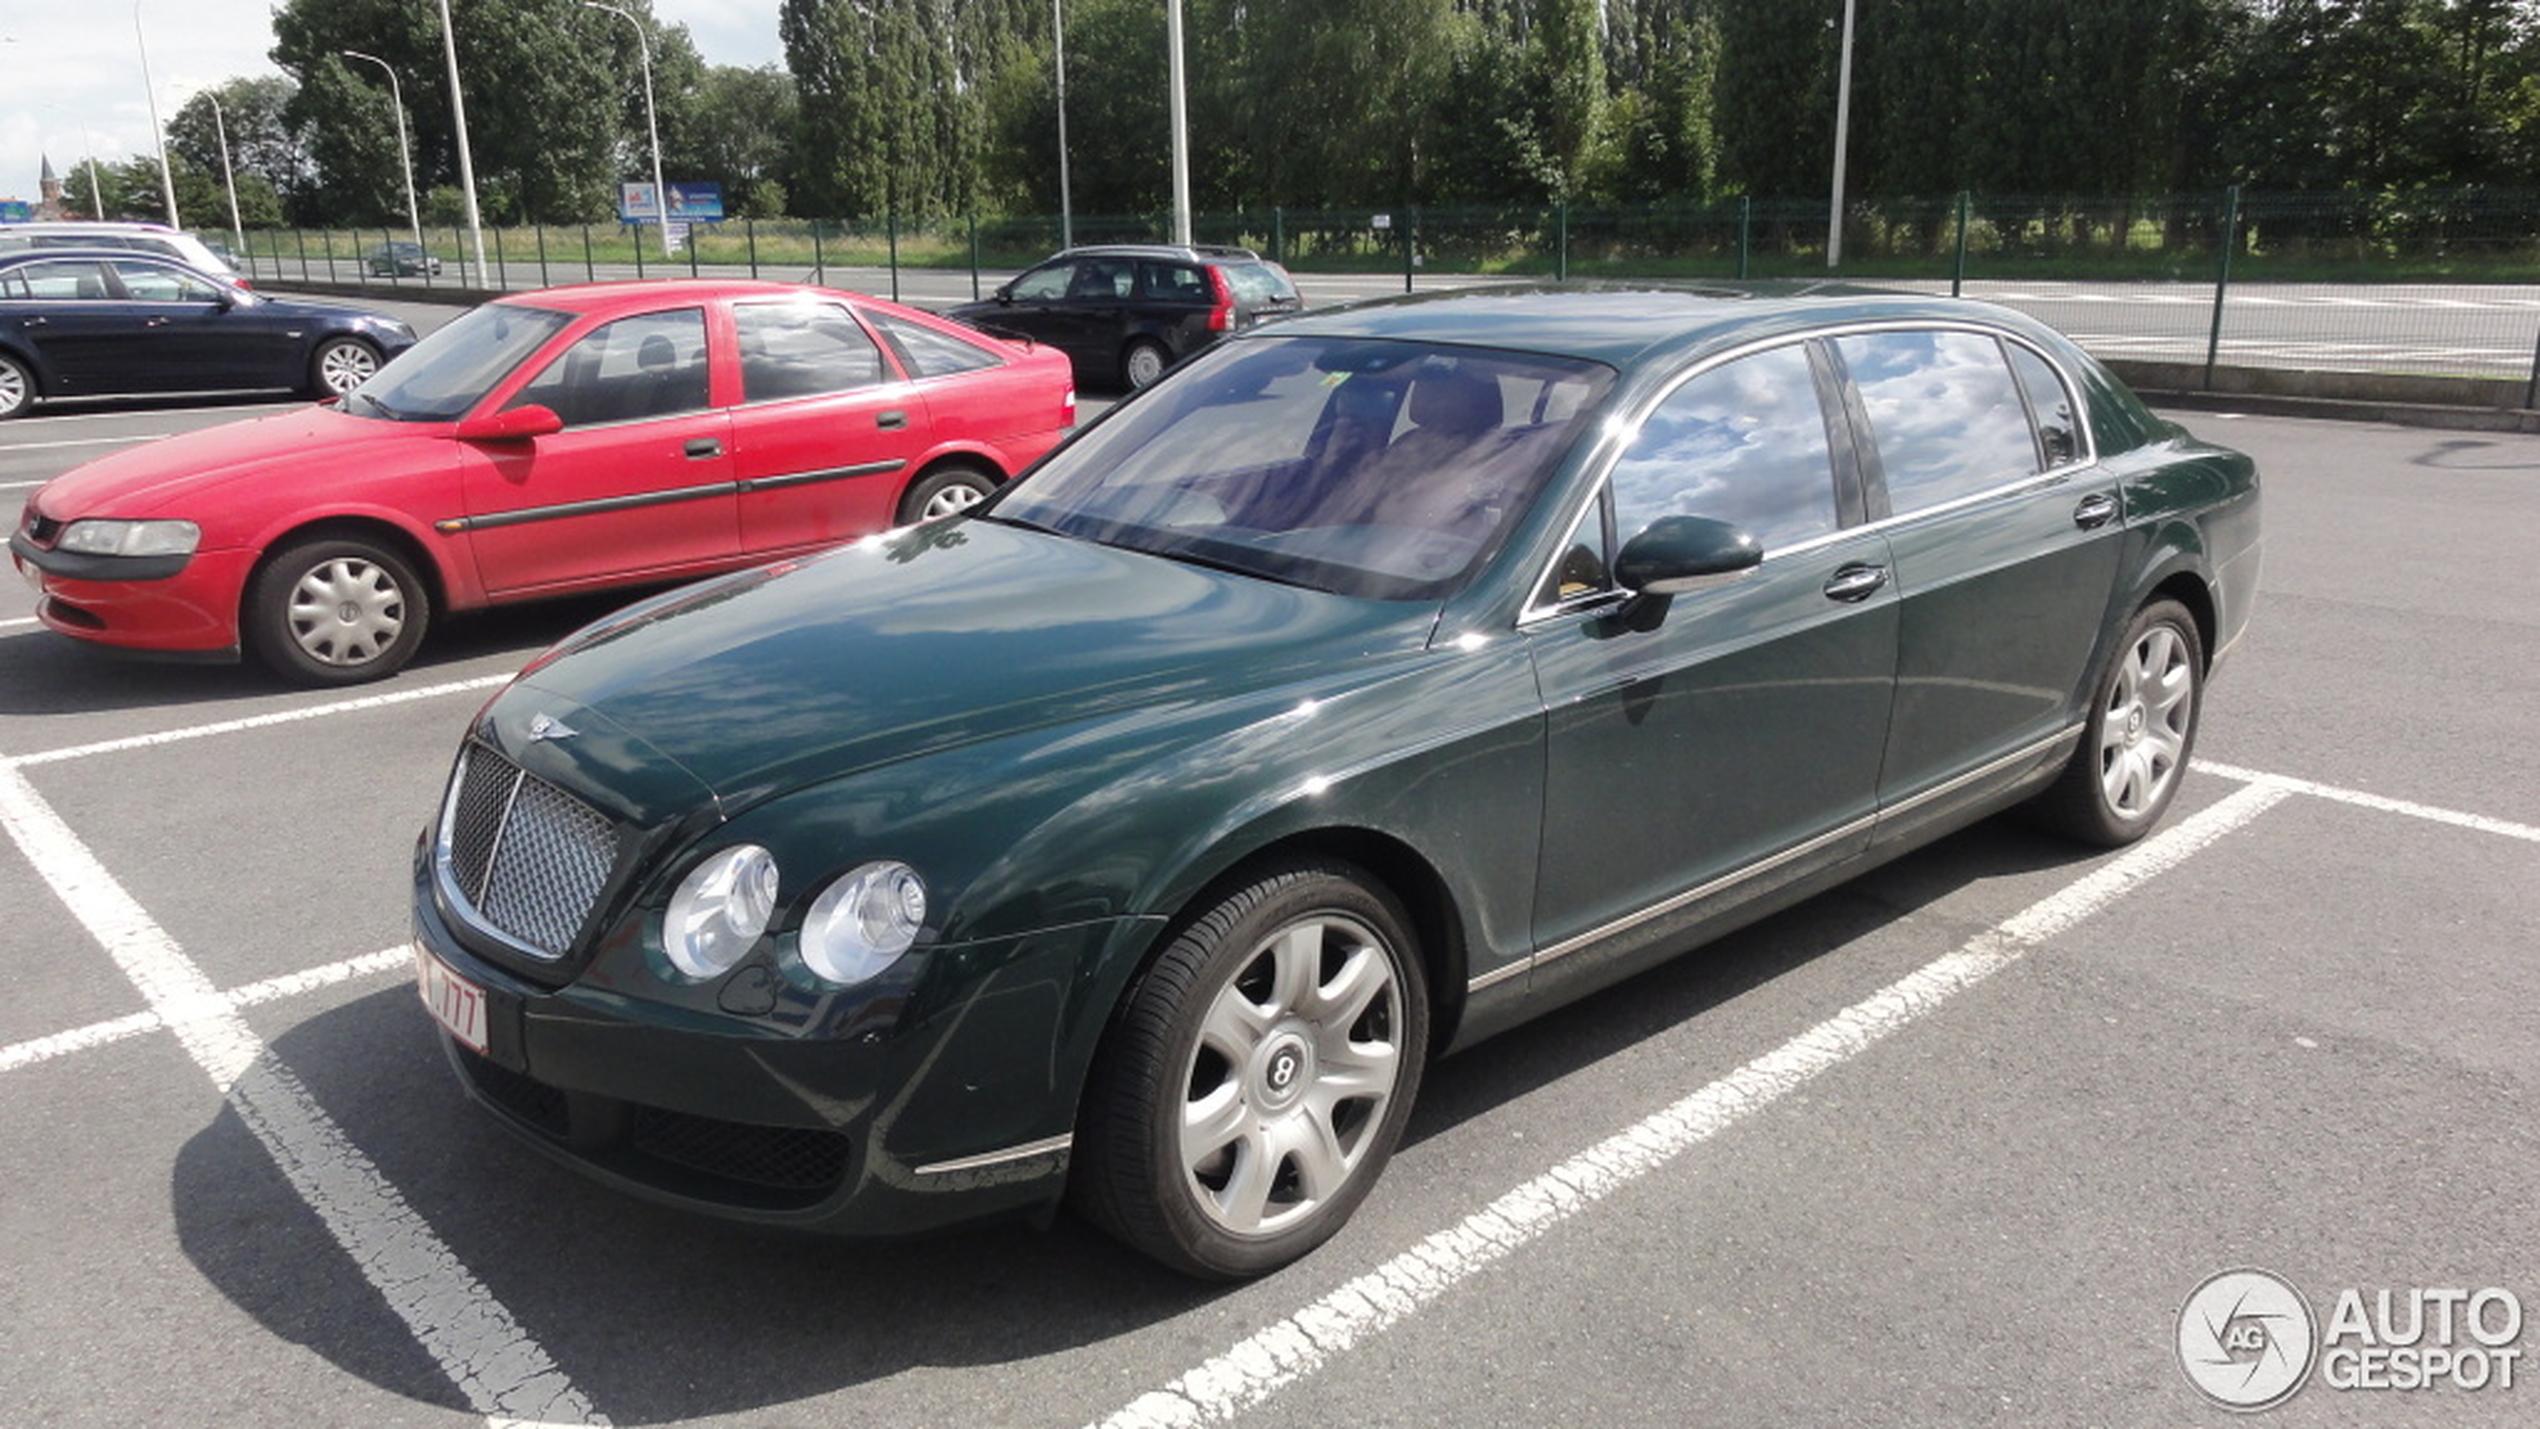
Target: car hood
[
  {"x": 920, "y": 641},
  {"x": 170, "y": 476}
]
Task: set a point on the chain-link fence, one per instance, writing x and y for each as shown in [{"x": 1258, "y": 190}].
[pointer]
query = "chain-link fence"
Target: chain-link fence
[{"x": 2430, "y": 283}]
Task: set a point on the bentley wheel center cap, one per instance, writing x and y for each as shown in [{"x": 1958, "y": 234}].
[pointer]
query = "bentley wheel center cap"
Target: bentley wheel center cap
[{"x": 1282, "y": 1070}]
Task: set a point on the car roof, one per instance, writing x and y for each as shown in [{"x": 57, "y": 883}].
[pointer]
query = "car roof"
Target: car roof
[
  {"x": 1197, "y": 252},
  {"x": 17, "y": 257},
  {"x": 1623, "y": 324}
]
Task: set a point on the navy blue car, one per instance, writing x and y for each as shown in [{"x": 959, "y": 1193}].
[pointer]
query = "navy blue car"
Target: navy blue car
[{"x": 107, "y": 322}]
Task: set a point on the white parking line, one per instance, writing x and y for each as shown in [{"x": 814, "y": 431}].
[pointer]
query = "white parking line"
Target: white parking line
[
  {"x": 263, "y": 721},
  {"x": 79, "y": 442},
  {"x": 272, "y": 989},
  {"x": 501, "y": 1371},
  {"x": 1246, "y": 1376}
]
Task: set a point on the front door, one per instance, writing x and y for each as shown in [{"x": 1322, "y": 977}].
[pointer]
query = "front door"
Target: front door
[
  {"x": 639, "y": 482},
  {"x": 1734, "y": 747}
]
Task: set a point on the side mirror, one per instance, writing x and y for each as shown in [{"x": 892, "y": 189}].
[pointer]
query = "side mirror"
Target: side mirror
[
  {"x": 1678, "y": 554},
  {"x": 518, "y": 424}
]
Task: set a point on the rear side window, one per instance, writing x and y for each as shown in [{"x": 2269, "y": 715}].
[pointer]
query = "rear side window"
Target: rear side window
[
  {"x": 1946, "y": 417},
  {"x": 61, "y": 278},
  {"x": 930, "y": 352},
  {"x": 2051, "y": 407},
  {"x": 802, "y": 350},
  {"x": 1175, "y": 282}
]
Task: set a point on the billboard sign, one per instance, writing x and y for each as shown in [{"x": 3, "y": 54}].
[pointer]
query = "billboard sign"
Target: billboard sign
[{"x": 689, "y": 203}]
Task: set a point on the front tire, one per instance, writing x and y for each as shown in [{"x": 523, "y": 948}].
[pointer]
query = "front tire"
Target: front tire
[
  {"x": 336, "y": 611},
  {"x": 945, "y": 491},
  {"x": 1143, "y": 362},
  {"x": 17, "y": 387},
  {"x": 2141, "y": 733},
  {"x": 1259, "y": 1076},
  {"x": 341, "y": 364}
]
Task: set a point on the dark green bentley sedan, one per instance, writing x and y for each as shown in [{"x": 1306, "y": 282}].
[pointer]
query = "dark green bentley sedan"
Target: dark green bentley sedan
[{"x": 1378, "y": 680}]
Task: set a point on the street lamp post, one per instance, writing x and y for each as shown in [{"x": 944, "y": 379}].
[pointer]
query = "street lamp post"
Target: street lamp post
[
  {"x": 96, "y": 200},
  {"x": 405, "y": 154},
  {"x": 229, "y": 183},
  {"x": 167, "y": 180},
  {"x": 467, "y": 166},
  {"x": 1842, "y": 127},
  {"x": 1181, "y": 124},
  {"x": 1058, "y": 43},
  {"x": 644, "y": 49}
]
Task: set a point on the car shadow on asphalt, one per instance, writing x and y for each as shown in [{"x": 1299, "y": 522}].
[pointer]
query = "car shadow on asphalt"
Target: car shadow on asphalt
[
  {"x": 658, "y": 1316},
  {"x": 43, "y": 673}
]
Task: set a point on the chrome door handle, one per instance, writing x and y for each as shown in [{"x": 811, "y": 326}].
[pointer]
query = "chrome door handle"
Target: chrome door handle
[
  {"x": 2095, "y": 511},
  {"x": 1856, "y": 582}
]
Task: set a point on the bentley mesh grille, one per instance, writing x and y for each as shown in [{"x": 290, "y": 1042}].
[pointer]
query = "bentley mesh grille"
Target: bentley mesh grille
[{"x": 525, "y": 858}]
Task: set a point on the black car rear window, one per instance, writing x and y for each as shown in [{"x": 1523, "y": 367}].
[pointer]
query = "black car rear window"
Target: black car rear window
[{"x": 1259, "y": 283}]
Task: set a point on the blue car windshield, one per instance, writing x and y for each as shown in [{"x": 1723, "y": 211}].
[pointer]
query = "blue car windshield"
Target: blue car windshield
[
  {"x": 1385, "y": 469},
  {"x": 441, "y": 377}
]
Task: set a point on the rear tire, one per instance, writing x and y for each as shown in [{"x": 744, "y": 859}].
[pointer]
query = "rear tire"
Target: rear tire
[
  {"x": 335, "y": 611},
  {"x": 1142, "y": 362},
  {"x": 1259, "y": 1075},
  {"x": 945, "y": 491},
  {"x": 2140, "y": 736},
  {"x": 17, "y": 387}
]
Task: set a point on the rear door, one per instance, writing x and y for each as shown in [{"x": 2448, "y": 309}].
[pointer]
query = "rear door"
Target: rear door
[
  {"x": 826, "y": 432},
  {"x": 69, "y": 312},
  {"x": 2005, "y": 537},
  {"x": 639, "y": 482}
]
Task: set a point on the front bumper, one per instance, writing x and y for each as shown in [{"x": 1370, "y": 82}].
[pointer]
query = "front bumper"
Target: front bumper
[
  {"x": 174, "y": 604},
  {"x": 870, "y": 1115}
]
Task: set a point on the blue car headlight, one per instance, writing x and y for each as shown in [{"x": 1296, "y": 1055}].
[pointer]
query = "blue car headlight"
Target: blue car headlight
[
  {"x": 861, "y": 923},
  {"x": 721, "y": 908}
]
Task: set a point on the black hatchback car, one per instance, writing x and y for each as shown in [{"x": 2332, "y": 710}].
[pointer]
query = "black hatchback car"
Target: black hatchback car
[
  {"x": 107, "y": 322},
  {"x": 1125, "y": 312}
]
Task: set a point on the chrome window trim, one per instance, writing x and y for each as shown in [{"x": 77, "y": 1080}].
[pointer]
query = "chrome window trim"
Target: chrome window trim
[
  {"x": 1767, "y": 864},
  {"x": 1621, "y": 430}
]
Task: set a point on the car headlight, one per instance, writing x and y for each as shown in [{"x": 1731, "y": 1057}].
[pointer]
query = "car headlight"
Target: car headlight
[
  {"x": 861, "y": 924},
  {"x": 719, "y": 911},
  {"x": 130, "y": 538}
]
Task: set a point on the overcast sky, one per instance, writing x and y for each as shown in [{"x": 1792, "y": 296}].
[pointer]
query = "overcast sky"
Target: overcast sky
[{"x": 63, "y": 66}]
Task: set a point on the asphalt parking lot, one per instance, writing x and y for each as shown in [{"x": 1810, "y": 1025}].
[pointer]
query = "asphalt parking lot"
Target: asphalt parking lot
[{"x": 1953, "y": 1145}]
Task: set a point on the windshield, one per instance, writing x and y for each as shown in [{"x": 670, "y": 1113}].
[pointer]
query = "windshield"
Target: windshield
[
  {"x": 441, "y": 377},
  {"x": 1383, "y": 469}
]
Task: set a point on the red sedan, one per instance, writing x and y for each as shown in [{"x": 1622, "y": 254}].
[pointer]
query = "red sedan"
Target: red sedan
[{"x": 541, "y": 445}]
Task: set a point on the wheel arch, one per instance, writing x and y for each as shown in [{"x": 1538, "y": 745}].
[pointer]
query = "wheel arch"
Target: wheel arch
[
  {"x": 436, "y": 581},
  {"x": 1437, "y": 920}
]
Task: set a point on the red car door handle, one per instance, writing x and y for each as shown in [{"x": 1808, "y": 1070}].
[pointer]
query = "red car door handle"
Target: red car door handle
[
  {"x": 891, "y": 421},
  {"x": 703, "y": 447}
]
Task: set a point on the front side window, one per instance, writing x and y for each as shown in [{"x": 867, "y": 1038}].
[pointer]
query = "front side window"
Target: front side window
[
  {"x": 1946, "y": 418},
  {"x": 151, "y": 283},
  {"x": 440, "y": 378},
  {"x": 802, "y": 350},
  {"x": 1043, "y": 285},
  {"x": 648, "y": 365},
  {"x": 1743, "y": 443},
  {"x": 1375, "y": 468}
]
